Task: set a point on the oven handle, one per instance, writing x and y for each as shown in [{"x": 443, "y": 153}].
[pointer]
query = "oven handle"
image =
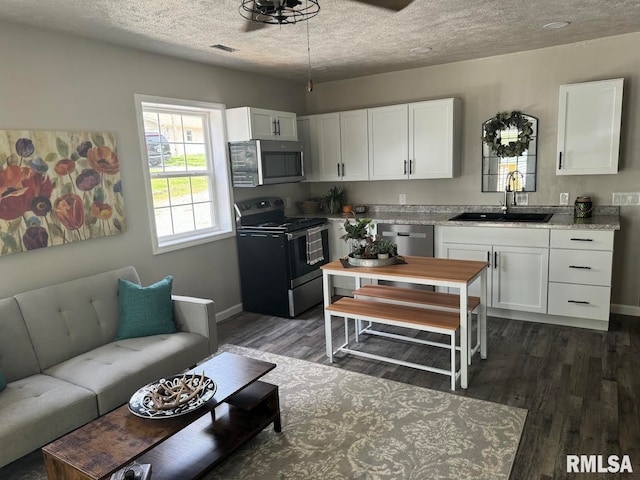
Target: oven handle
[{"x": 303, "y": 233}]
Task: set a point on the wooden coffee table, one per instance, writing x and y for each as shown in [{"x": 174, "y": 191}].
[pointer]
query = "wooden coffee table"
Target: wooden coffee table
[{"x": 182, "y": 447}]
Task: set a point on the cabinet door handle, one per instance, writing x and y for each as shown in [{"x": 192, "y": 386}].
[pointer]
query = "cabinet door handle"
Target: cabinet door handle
[
  {"x": 560, "y": 161},
  {"x": 275, "y": 127},
  {"x": 338, "y": 165},
  {"x": 343, "y": 169},
  {"x": 489, "y": 259},
  {"x": 410, "y": 167},
  {"x": 582, "y": 239},
  {"x": 278, "y": 122},
  {"x": 405, "y": 167},
  {"x": 581, "y": 302},
  {"x": 495, "y": 259},
  {"x": 578, "y": 266}
]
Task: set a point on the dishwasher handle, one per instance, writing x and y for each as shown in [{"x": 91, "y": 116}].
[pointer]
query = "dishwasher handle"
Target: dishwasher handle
[{"x": 405, "y": 234}]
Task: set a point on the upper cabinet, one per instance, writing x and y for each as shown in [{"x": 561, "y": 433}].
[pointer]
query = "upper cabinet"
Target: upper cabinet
[
  {"x": 248, "y": 123},
  {"x": 417, "y": 140},
  {"x": 336, "y": 146},
  {"x": 589, "y": 119}
]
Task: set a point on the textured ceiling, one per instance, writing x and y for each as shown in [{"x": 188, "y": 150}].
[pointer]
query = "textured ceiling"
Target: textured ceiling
[{"x": 347, "y": 38}]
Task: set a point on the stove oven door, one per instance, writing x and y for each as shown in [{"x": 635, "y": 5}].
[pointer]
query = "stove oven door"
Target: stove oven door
[{"x": 301, "y": 271}]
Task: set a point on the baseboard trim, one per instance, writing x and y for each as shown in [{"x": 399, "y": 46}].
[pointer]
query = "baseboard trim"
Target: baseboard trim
[
  {"x": 625, "y": 310},
  {"x": 228, "y": 313}
]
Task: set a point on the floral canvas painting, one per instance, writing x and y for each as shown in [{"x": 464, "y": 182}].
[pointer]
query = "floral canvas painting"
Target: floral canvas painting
[{"x": 58, "y": 188}]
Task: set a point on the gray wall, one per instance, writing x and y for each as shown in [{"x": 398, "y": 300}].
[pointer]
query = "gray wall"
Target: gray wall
[
  {"x": 529, "y": 82},
  {"x": 58, "y": 82}
]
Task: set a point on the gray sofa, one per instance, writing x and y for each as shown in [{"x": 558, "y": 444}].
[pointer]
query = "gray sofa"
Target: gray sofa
[{"x": 62, "y": 366}]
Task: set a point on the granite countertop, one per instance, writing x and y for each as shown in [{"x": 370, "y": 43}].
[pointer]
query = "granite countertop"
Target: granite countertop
[{"x": 604, "y": 218}]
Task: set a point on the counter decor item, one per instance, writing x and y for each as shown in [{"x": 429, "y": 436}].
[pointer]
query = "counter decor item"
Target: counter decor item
[
  {"x": 508, "y": 134},
  {"x": 583, "y": 207},
  {"x": 360, "y": 209},
  {"x": 334, "y": 199},
  {"x": 309, "y": 206}
]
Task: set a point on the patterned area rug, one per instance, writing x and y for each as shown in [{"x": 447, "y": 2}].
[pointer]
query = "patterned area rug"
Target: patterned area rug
[{"x": 340, "y": 425}]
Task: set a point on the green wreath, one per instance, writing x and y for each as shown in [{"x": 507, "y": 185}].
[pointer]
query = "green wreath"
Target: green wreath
[{"x": 506, "y": 121}]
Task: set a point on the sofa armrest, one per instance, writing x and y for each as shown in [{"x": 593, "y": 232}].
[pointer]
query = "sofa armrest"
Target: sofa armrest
[{"x": 197, "y": 315}]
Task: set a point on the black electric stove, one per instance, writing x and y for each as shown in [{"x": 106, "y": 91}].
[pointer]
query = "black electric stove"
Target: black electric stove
[{"x": 276, "y": 275}]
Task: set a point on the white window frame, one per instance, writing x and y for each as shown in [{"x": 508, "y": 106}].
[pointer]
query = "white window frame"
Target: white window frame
[{"x": 218, "y": 173}]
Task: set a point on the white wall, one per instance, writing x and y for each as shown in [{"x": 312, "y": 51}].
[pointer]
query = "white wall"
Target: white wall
[
  {"x": 57, "y": 82},
  {"x": 529, "y": 82}
]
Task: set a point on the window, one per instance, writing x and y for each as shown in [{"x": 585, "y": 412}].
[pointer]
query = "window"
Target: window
[{"x": 185, "y": 165}]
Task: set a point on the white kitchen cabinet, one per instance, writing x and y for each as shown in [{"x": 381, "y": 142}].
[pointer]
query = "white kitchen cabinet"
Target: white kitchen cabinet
[
  {"x": 338, "y": 146},
  {"x": 354, "y": 145},
  {"x": 248, "y": 123},
  {"x": 414, "y": 141},
  {"x": 518, "y": 263},
  {"x": 580, "y": 274},
  {"x": 589, "y": 120},
  {"x": 389, "y": 142}
]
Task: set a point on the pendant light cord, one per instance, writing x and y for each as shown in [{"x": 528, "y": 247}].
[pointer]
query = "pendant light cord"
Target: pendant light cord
[{"x": 309, "y": 81}]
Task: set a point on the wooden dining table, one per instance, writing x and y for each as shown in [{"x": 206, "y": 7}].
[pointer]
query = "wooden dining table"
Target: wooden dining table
[{"x": 437, "y": 272}]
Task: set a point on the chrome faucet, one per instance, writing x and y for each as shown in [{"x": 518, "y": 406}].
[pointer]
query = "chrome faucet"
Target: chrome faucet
[{"x": 511, "y": 177}]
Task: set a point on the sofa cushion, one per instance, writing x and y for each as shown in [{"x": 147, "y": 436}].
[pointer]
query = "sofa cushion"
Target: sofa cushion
[
  {"x": 38, "y": 409},
  {"x": 145, "y": 311},
  {"x": 17, "y": 357},
  {"x": 115, "y": 371},
  {"x": 71, "y": 318}
]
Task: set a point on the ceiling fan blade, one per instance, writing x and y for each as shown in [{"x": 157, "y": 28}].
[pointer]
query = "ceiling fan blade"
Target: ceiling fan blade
[{"x": 395, "y": 5}]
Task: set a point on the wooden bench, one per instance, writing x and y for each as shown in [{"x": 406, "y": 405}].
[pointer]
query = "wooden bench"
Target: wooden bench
[
  {"x": 419, "y": 298},
  {"x": 417, "y": 318}
]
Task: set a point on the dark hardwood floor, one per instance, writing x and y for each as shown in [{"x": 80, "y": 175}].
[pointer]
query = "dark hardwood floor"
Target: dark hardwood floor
[{"x": 580, "y": 387}]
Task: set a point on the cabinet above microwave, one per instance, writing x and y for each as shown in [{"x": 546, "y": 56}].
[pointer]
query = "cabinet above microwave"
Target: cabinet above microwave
[{"x": 248, "y": 123}]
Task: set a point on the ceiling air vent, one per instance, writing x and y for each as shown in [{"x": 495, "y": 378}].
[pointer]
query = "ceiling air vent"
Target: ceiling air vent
[{"x": 224, "y": 48}]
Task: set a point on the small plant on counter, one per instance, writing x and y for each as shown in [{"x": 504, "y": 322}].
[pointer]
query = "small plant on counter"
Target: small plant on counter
[{"x": 334, "y": 199}]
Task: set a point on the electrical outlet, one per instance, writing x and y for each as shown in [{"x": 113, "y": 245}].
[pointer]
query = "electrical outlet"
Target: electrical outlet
[
  {"x": 564, "y": 198},
  {"x": 402, "y": 199},
  {"x": 522, "y": 198},
  {"x": 626, "y": 198}
]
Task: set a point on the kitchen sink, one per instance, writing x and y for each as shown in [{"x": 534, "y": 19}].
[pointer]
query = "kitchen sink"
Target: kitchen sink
[{"x": 503, "y": 217}]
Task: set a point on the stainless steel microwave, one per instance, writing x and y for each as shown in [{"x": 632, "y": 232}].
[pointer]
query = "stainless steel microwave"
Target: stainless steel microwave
[{"x": 266, "y": 162}]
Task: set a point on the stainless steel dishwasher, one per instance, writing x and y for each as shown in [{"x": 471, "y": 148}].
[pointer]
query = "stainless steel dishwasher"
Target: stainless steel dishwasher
[{"x": 416, "y": 240}]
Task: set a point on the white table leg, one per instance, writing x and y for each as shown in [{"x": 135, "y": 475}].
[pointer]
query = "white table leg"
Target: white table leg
[
  {"x": 482, "y": 314},
  {"x": 357, "y": 322},
  {"x": 326, "y": 292},
  {"x": 464, "y": 337}
]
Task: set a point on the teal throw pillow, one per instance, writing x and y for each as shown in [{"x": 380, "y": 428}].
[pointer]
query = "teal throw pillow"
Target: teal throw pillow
[
  {"x": 3, "y": 382},
  {"x": 145, "y": 311}
]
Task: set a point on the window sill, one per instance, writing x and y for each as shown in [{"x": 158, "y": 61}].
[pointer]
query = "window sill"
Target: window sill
[{"x": 179, "y": 244}]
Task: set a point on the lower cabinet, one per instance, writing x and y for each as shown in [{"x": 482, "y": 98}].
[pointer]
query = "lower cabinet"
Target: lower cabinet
[
  {"x": 580, "y": 274},
  {"x": 338, "y": 248},
  {"x": 563, "y": 274},
  {"x": 518, "y": 263}
]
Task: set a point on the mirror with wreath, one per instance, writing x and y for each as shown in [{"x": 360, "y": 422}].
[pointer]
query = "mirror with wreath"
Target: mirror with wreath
[{"x": 509, "y": 142}]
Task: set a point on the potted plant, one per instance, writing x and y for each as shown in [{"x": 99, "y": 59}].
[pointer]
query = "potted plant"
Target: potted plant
[
  {"x": 385, "y": 248},
  {"x": 334, "y": 199},
  {"x": 357, "y": 235}
]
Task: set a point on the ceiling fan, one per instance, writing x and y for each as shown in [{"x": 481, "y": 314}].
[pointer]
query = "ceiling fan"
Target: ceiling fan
[{"x": 262, "y": 12}]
